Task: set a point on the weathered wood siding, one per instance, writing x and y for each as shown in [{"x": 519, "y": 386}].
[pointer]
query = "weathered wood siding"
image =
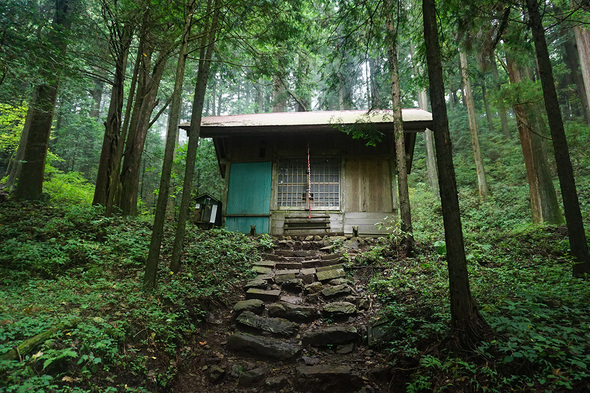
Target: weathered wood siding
[{"x": 368, "y": 186}]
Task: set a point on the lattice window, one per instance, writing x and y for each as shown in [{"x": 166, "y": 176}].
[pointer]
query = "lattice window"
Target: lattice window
[{"x": 325, "y": 183}]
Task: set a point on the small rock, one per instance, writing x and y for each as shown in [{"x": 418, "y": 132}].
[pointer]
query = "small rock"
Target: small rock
[
  {"x": 313, "y": 298},
  {"x": 216, "y": 373},
  {"x": 291, "y": 299},
  {"x": 344, "y": 349},
  {"x": 310, "y": 361},
  {"x": 253, "y": 305},
  {"x": 277, "y": 383},
  {"x": 250, "y": 377},
  {"x": 314, "y": 287},
  {"x": 364, "y": 304},
  {"x": 309, "y": 238},
  {"x": 317, "y": 238}
]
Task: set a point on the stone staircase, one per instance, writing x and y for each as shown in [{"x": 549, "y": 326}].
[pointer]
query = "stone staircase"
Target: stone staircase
[{"x": 302, "y": 326}]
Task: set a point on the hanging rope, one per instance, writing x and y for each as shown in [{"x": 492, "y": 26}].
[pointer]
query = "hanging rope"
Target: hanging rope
[{"x": 308, "y": 182}]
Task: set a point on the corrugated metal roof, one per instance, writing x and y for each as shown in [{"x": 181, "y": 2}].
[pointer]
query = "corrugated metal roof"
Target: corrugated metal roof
[{"x": 312, "y": 118}]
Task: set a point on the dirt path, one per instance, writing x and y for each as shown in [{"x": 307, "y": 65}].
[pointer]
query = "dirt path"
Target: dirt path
[{"x": 302, "y": 325}]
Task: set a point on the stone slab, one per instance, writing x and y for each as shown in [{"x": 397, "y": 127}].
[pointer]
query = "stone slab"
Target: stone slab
[
  {"x": 263, "y": 294},
  {"x": 336, "y": 290},
  {"x": 281, "y": 278},
  {"x": 288, "y": 265},
  {"x": 278, "y": 326},
  {"x": 256, "y": 283},
  {"x": 261, "y": 269},
  {"x": 252, "y": 305},
  {"x": 263, "y": 347},
  {"x": 330, "y": 274},
  {"x": 286, "y": 271},
  {"x": 329, "y": 267},
  {"x": 270, "y": 264},
  {"x": 292, "y": 312},
  {"x": 340, "y": 309},
  {"x": 333, "y": 335}
]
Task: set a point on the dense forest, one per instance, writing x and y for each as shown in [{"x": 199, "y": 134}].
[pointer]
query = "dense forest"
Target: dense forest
[{"x": 106, "y": 284}]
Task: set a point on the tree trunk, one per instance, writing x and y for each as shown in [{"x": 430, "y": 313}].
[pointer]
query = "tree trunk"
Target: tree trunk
[
  {"x": 486, "y": 104},
  {"x": 96, "y": 94},
  {"x": 467, "y": 324},
  {"x": 109, "y": 159},
  {"x": 29, "y": 184},
  {"x": 544, "y": 204},
  {"x": 583, "y": 44},
  {"x": 482, "y": 183},
  {"x": 573, "y": 216},
  {"x": 194, "y": 132},
  {"x": 398, "y": 131},
  {"x": 172, "y": 132},
  {"x": 501, "y": 108},
  {"x": 428, "y": 136},
  {"x": 278, "y": 95},
  {"x": 135, "y": 141}
]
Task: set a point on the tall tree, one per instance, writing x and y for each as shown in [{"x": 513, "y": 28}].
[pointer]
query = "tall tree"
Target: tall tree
[
  {"x": 544, "y": 205},
  {"x": 121, "y": 30},
  {"x": 171, "y": 135},
  {"x": 466, "y": 322},
  {"x": 573, "y": 215},
  {"x": 428, "y": 135},
  {"x": 30, "y": 181},
  {"x": 206, "y": 53},
  {"x": 482, "y": 183},
  {"x": 392, "y": 26}
]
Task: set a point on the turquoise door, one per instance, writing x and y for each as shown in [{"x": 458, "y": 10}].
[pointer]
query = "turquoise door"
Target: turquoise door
[{"x": 248, "y": 197}]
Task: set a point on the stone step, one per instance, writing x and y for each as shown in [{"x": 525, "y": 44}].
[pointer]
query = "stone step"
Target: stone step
[
  {"x": 261, "y": 269},
  {"x": 333, "y": 335},
  {"x": 292, "y": 312},
  {"x": 252, "y": 305},
  {"x": 278, "y": 326},
  {"x": 272, "y": 257},
  {"x": 336, "y": 290},
  {"x": 263, "y": 294},
  {"x": 328, "y": 378},
  {"x": 288, "y": 265},
  {"x": 330, "y": 267},
  {"x": 257, "y": 283},
  {"x": 319, "y": 262},
  {"x": 263, "y": 347},
  {"x": 270, "y": 264},
  {"x": 331, "y": 274},
  {"x": 330, "y": 257},
  {"x": 339, "y": 309}
]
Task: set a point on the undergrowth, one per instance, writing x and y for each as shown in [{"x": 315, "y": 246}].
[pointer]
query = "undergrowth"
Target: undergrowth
[
  {"x": 73, "y": 270},
  {"x": 521, "y": 278}
]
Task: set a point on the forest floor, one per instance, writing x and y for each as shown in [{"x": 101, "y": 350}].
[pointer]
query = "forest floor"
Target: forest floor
[{"x": 75, "y": 276}]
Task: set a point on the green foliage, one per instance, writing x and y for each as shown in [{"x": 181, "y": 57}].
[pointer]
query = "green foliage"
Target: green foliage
[{"x": 74, "y": 264}]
